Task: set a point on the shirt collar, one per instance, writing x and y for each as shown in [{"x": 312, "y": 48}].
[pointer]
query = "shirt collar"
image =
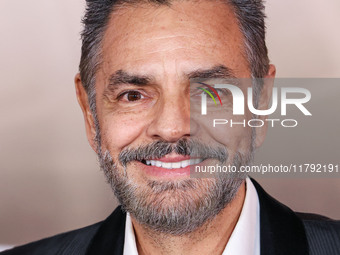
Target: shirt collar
[
  {"x": 245, "y": 239},
  {"x": 130, "y": 247}
]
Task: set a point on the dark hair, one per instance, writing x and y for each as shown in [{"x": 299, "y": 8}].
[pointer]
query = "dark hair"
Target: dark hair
[{"x": 249, "y": 13}]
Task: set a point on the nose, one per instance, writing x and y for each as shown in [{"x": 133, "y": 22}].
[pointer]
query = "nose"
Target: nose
[{"x": 171, "y": 121}]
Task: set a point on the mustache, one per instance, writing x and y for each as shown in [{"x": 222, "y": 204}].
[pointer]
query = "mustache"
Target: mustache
[{"x": 186, "y": 147}]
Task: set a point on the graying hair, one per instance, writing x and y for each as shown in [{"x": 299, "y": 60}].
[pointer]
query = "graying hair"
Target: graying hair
[
  {"x": 249, "y": 13},
  {"x": 190, "y": 210}
]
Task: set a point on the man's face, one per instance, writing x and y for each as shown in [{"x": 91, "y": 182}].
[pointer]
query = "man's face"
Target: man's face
[
  {"x": 149, "y": 54},
  {"x": 165, "y": 45}
]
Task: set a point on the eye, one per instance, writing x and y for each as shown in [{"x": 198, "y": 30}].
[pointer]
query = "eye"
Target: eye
[
  {"x": 223, "y": 92},
  {"x": 131, "y": 96}
]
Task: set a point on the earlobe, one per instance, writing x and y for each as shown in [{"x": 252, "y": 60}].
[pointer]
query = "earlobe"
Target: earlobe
[
  {"x": 271, "y": 72},
  {"x": 88, "y": 117},
  {"x": 264, "y": 100}
]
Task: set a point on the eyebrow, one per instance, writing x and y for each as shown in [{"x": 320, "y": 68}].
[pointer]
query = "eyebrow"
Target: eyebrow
[
  {"x": 219, "y": 71},
  {"x": 123, "y": 77}
]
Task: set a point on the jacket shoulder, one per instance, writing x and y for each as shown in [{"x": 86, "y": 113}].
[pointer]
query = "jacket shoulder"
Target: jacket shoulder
[
  {"x": 73, "y": 242},
  {"x": 323, "y": 234}
]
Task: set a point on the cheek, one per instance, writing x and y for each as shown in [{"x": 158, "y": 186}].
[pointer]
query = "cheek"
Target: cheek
[
  {"x": 237, "y": 138},
  {"x": 121, "y": 131}
]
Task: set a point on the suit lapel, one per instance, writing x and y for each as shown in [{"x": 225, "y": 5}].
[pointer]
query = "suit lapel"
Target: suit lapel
[
  {"x": 282, "y": 232},
  {"x": 109, "y": 239}
]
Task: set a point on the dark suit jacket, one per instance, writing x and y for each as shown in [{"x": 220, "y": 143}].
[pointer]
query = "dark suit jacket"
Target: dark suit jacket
[{"x": 282, "y": 232}]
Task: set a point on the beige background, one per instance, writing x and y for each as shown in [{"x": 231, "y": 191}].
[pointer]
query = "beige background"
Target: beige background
[{"x": 49, "y": 177}]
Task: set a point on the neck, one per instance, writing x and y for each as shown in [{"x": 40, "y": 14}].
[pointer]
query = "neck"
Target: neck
[{"x": 211, "y": 238}]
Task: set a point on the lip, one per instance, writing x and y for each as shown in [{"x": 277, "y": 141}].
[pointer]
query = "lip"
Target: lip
[
  {"x": 173, "y": 158},
  {"x": 165, "y": 172}
]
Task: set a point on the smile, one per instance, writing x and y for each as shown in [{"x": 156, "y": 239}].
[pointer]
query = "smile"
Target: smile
[{"x": 173, "y": 165}]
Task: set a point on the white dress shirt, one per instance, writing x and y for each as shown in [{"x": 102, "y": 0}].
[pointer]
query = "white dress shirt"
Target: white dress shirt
[{"x": 245, "y": 239}]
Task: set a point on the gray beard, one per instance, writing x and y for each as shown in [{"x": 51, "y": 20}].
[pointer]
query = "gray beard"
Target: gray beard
[{"x": 173, "y": 207}]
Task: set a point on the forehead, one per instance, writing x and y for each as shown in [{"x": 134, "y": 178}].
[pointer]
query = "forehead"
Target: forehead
[{"x": 171, "y": 40}]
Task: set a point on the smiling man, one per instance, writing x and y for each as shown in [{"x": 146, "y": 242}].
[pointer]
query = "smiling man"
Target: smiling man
[
  {"x": 143, "y": 131},
  {"x": 139, "y": 64}
]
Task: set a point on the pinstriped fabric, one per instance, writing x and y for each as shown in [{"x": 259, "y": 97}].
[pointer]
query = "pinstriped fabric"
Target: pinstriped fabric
[{"x": 323, "y": 236}]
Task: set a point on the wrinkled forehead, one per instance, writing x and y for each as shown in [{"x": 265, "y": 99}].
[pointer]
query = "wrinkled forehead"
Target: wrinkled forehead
[{"x": 142, "y": 37}]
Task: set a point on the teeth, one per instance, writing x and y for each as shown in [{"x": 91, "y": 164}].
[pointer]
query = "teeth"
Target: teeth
[
  {"x": 185, "y": 163},
  {"x": 174, "y": 165},
  {"x": 167, "y": 165}
]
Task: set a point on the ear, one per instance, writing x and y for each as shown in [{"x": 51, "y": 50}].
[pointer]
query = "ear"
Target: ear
[
  {"x": 264, "y": 100},
  {"x": 85, "y": 107}
]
